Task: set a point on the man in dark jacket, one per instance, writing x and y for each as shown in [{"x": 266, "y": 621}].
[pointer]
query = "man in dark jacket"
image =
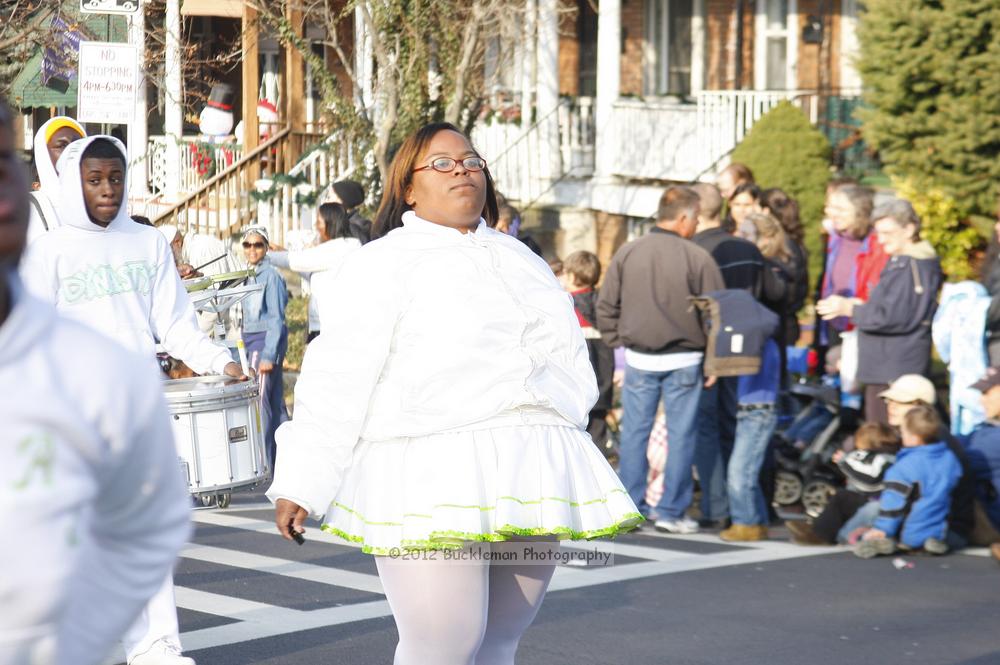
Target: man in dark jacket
[
  {"x": 894, "y": 325},
  {"x": 644, "y": 307}
]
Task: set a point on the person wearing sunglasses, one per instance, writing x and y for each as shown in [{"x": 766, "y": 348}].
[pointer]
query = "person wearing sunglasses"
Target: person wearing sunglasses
[
  {"x": 440, "y": 417},
  {"x": 265, "y": 333}
]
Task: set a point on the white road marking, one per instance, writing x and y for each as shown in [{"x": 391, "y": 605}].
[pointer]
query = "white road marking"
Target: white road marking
[
  {"x": 284, "y": 567},
  {"x": 256, "y": 620}
]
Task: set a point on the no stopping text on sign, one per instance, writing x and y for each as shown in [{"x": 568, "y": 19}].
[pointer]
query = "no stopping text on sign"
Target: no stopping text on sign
[{"x": 109, "y": 81}]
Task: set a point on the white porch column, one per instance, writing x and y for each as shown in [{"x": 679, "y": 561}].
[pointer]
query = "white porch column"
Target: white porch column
[
  {"x": 547, "y": 92},
  {"x": 137, "y": 135},
  {"x": 699, "y": 35},
  {"x": 528, "y": 63},
  {"x": 609, "y": 48},
  {"x": 364, "y": 56},
  {"x": 173, "y": 120}
]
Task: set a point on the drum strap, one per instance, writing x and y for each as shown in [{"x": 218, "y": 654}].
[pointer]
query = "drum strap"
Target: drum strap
[{"x": 38, "y": 208}]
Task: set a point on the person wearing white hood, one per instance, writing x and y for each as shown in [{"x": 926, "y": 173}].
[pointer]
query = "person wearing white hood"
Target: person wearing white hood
[
  {"x": 90, "y": 497},
  {"x": 50, "y": 141},
  {"x": 102, "y": 269}
]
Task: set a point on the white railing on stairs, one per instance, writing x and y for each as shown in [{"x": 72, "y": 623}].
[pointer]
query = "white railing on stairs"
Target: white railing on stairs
[{"x": 287, "y": 214}]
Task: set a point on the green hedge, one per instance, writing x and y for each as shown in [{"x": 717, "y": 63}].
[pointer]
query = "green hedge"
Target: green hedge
[{"x": 784, "y": 150}]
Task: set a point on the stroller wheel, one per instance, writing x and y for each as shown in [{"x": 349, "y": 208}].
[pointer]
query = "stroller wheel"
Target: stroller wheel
[
  {"x": 787, "y": 488},
  {"x": 816, "y": 495}
]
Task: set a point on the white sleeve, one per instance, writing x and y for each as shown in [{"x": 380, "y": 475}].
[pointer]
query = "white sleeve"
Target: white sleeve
[
  {"x": 339, "y": 373},
  {"x": 174, "y": 322},
  {"x": 141, "y": 522},
  {"x": 310, "y": 259}
]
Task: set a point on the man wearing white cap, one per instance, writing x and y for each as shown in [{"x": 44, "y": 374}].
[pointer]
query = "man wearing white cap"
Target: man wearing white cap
[
  {"x": 902, "y": 395},
  {"x": 906, "y": 392}
]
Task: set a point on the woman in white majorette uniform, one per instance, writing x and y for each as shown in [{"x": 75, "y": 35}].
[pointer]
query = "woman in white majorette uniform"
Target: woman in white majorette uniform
[{"x": 443, "y": 410}]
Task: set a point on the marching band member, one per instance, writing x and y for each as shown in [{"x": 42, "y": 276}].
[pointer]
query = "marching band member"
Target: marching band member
[
  {"x": 90, "y": 494},
  {"x": 50, "y": 141},
  {"x": 102, "y": 269}
]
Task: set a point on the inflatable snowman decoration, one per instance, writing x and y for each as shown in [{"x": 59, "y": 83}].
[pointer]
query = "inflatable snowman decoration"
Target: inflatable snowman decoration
[{"x": 216, "y": 120}]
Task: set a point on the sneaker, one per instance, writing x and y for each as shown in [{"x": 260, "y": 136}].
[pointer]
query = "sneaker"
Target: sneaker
[
  {"x": 868, "y": 549},
  {"x": 162, "y": 653},
  {"x": 802, "y": 533},
  {"x": 683, "y": 526},
  {"x": 935, "y": 546},
  {"x": 744, "y": 533}
]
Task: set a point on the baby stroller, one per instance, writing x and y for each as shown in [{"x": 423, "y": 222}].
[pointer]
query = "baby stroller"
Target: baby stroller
[{"x": 809, "y": 477}]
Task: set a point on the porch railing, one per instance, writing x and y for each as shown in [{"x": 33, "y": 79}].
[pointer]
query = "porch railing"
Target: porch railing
[
  {"x": 222, "y": 205},
  {"x": 288, "y": 211},
  {"x": 197, "y": 159},
  {"x": 724, "y": 117},
  {"x": 516, "y": 157}
]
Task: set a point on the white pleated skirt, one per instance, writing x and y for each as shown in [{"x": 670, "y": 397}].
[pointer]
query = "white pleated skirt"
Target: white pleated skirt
[{"x": 444, "y": 490}]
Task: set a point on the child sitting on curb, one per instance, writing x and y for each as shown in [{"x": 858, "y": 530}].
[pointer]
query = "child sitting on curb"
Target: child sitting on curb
[
  {"x": 913, "y": 508},
  {"x": 864, "y": 469}
]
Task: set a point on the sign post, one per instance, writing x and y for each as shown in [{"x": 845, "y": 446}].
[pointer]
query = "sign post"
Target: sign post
[
  {"x": 109, "y": 80},
  {"x": 109, "y": 6}
]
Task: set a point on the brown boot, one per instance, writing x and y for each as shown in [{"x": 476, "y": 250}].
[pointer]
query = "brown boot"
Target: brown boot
[
  {"x": 744, "y": 533},
  {"x": 803, "y": 534}
]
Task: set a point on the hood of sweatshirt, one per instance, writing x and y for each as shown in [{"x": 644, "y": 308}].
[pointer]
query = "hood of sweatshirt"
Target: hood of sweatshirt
[
  {"x": 47, "y": 176},
  {"x": 921, "y": 250},
  {"x": 72, "y": 209}
]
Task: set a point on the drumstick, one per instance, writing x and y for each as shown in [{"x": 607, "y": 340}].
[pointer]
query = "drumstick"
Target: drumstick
[
  {"x": 242, "y": 350},
  {"x": 203, "y": 265}
]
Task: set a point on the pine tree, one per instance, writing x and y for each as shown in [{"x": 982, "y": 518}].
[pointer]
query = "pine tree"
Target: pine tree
[
  {"x": 931, "y": 72},
  {"x": 783, "y": 150}
]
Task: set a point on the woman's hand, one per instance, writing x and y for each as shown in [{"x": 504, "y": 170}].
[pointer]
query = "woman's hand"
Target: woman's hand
[
  {"x": 265, "y": 367},
  {"x": 289, "y": 515},
  {"x": 836, "y": 306}
]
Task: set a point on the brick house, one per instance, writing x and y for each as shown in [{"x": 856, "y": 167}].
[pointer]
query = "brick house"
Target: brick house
[{"x": 643, "y": 93}]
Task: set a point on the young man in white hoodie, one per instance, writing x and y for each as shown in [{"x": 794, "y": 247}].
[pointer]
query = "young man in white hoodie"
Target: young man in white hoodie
[
  {"x": 91, "y": 497},
  {"x": 102, "y": 269}
]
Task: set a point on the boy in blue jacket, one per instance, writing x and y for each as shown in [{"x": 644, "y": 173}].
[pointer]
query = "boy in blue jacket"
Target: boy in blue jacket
[{"x": 913, "y": 508}]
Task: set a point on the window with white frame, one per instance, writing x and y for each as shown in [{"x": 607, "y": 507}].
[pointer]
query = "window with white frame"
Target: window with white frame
[
  {"x": 776, "y": 44},
  {"x": 669, "y": 47}
]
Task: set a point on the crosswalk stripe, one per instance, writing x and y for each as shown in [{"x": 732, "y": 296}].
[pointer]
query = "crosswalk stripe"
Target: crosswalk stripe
[{"x": 275, "y": 566}]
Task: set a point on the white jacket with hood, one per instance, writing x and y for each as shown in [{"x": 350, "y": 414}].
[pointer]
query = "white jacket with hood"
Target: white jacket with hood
[
  {"x": 93, "y": 507},
  {"x": 120, "y": 279},
  {"x": 44, "y": 204}
]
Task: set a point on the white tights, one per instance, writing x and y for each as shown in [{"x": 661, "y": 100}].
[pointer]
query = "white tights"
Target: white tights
[{"x": 462, "y": 612}]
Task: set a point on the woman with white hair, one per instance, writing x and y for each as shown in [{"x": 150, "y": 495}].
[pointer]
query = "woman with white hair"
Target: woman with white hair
[{"x": 894, "y": 324}]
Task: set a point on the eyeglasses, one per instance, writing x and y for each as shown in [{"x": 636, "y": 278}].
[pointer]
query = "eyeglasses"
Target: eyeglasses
[
  {"x": 255, "y": 245},
  {"x": 447, "y": 164}
]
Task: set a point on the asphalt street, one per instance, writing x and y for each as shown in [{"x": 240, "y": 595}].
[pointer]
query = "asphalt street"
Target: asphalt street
[{"x": 248, "y": 597}]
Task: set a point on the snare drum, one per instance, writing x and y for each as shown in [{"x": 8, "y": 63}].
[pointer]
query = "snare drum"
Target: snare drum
[{"x": 217, "y": 429}]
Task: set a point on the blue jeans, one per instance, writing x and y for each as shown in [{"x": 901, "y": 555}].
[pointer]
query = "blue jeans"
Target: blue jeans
[
  {"x": 754, "y": 428},
  {"x": 680, "y": 390},
  {"x": 716, "y": 432},
  {"x": 865, "y": 516}
]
